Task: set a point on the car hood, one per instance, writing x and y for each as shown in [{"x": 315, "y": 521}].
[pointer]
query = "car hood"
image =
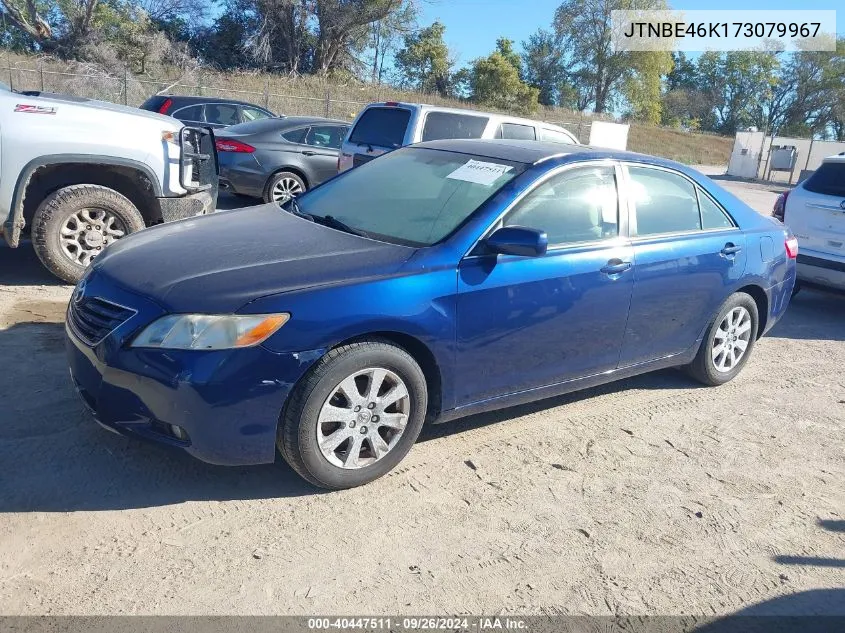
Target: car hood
[
  {"x": 218, "y": 263},
  {"x": 59, "y": 99}
]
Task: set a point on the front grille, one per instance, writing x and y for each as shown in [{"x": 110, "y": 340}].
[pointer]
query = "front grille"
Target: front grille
[
  {"x": 92, "y": 319},
  {"x": 360, "y": 159},
  {"x": 199, "y": 167}
]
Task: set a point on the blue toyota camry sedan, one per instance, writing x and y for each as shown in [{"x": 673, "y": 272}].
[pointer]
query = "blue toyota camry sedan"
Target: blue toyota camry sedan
[{"x": 440, "y": 280}]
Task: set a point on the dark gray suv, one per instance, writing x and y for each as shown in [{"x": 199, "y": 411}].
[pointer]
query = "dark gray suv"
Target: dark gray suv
[{"x": 275, "y": 159}]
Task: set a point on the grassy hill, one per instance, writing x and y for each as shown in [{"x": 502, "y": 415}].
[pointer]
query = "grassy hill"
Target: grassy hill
[{"x": 319, "y": 97}]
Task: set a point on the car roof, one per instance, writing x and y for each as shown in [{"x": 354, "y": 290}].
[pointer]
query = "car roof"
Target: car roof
[
  {"x": 533, "y": 152},
  {"x": 292, "y": 121},
  {"x": 182, "y": 100},
  {"x": 838, "y": 158}
]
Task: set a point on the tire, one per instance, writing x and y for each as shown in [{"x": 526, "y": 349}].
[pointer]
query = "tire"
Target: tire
[
  {"x": 706, "y": 366},
  {"x": 67, "y": 209},
  {"x": 298, "y": 439},
  {"x": 795, "y": 290},
  {"x": 288, "y": 181}
]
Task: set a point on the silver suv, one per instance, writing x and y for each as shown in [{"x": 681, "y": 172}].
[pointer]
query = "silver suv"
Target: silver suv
[{"x": 382, "y": 127}]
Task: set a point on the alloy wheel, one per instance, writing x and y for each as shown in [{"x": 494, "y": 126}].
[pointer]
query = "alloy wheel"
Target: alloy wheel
[
  {"x": 87, "y": 232},
  {"x": 731, "y": 339},
  {"x": 363, "y": 418},
  {"x": 285, "y": 188}
]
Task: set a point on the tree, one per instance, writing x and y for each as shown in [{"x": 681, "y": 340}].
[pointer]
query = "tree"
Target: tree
[
  {"x": 424, "y": 63},
  {"x": 494, "y": 81},
  {"x": 544, "y": 66},
  {"x": 504, "y": 47},
  {"x": 599, "y": 74},
  {"x": 385, "y": 34}
]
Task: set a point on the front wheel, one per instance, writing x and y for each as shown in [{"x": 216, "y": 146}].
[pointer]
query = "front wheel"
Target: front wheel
[
  {"x": 74, "y": 224},
  {"x": 728, "y": 343},
  {"x": 354, "y": 416}
]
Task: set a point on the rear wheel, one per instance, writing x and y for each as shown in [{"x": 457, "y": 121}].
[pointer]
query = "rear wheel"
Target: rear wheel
[
  {"x": 283, "y": 186},
  {"x": 728, "y": 343},
  {"x": 354, "y": 416},
  {"x": 74, "y": 224}
]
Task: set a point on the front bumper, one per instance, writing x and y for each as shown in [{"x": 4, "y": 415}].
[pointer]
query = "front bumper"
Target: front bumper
[
  {"x": 227, "y": 401},
  {"x": 188, "y": 206}
]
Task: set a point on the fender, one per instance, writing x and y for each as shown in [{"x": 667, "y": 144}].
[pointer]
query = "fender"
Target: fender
[{"x": 15, "y": 223}]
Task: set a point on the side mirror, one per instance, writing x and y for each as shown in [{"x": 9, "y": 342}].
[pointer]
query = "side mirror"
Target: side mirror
[{"x": 517, "y": 240}]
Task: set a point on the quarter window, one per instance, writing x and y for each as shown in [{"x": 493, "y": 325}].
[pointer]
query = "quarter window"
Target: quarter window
[
  {"x": 516, "y": 131},
  {"x": 579, "y": 205},
  {"x": 664, "y": 202}
]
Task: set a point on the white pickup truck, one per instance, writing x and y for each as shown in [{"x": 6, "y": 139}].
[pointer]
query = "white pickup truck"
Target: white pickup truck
[{"x": 77, "y": 174}]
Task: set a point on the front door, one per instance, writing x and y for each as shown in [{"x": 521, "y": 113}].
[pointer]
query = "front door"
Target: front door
[
  {"x": 526, "y": 322},
  {"x": 688, "y": 255}
]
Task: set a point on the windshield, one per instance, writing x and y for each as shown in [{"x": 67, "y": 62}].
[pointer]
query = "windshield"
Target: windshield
[
  {"x": 828, "y": 179},
  {"x": 411, "y": 196}
]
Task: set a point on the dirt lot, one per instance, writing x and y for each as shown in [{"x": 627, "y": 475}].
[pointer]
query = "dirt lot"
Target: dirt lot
[{"x": 651, "y": 496}]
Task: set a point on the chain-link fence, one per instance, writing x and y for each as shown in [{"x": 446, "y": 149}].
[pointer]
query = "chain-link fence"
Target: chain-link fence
[{"x": 312, "y": 96}]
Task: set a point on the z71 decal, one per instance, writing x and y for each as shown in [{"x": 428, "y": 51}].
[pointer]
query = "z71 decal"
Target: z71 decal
[{"x": 34, "y": 109}]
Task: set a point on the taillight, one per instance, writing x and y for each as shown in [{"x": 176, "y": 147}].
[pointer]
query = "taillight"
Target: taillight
[
  {"x": 165, "y": 106},
  {"x": 231, "y": 145},
  {"x": 779, "y": 210},
  {"x": 791, "y": 245}
]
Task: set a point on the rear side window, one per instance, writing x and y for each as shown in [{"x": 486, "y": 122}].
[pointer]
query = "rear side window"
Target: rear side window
[
  {"x": 191, "y": 113},
  {"x": 664, "y": 202},
  {"x": 553, "y": 136},
  {"x": 330, "y": 136},
  {"x": 516, "y": 131},
  {"x": 828, "y": 179},
  {"x": 384, "y": 127},
  {"x": 221, "y": 113},
  {"x": 445, "y": 125},
  {"x": 712, "y": 216},
  {"x": 295, "y": 136}
]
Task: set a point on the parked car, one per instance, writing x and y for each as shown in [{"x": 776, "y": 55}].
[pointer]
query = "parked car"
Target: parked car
[
  {"x": 446, "y": 278},
  {"x": 382, "y": 127},
  {"x": 275, "y": 159},
  {"x": 815, "y": 211},
  {"x": 210, "y": 111},
  {"x": 78, "y": 174}
]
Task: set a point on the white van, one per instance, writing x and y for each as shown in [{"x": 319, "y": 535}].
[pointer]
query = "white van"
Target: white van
[
  {"x": 382, "y": 127},
  {"x": 815, "y": 211}
]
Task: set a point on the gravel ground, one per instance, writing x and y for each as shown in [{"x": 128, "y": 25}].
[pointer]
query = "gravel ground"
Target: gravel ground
[{"x": 650, "y": 496}]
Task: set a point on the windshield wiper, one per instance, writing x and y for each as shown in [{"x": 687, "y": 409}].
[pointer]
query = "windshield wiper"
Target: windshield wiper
[
  {"x": 293, "y": 208},
  {"x": 334, "y": 223}
]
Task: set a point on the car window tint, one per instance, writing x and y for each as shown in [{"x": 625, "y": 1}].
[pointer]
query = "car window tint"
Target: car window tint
[
  {"x": 253, "y": 114},
  {"x": 554, "y": 136},
  {"x": 330, "y": 136},
  {"x": 664, "y": 202},
  {"x": 446, "y": 125},
  {"x": 191, "y": 113},
  {"x": 221, "y": 113},
  {"x": 516, "y": 131},
  {"x": 828, "y": 179},
  {"x": 295, "y": 136},
  {"x": 712, "y": 216},
  {"x": 381, "y": 126},
  {"x": 579, "y": 205}
]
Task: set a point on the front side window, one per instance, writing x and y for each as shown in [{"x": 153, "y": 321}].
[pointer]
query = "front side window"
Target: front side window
[
  {"x": 664, "y": 202},
  {"x": 578, "y": 205},
  {"x": 447, "y": 125},
  {"x": 221, "y": 113},
  {"x": 516, "y": 131},
  {"x": 555, "y": 136},
  {"x": 191, "y": 113},
  {"x": 330, "y": 136},
  {"x": 413, "y": 196}
]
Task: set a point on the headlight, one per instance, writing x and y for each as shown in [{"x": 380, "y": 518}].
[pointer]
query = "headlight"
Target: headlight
[{"x": 207, "y": 331}]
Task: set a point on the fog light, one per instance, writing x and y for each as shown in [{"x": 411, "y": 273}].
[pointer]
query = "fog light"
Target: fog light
[{"x": 178, "y": 432}]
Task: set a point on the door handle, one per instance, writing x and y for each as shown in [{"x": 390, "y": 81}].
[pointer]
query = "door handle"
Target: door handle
[
  {"x": 309, "y": 153},
  {"x": 730, "y": 250},
  {"x": 615, "y": 267}
]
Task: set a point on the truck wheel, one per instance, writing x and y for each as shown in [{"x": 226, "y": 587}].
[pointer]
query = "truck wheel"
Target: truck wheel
[
  {"x": 354, "y": 415},
  {"x": 74, "y": 224},
  {"x": 283, "y": 186}
]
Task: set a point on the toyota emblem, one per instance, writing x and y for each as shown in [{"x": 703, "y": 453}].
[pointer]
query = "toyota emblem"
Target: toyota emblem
[{"x": 79, "y": 293}]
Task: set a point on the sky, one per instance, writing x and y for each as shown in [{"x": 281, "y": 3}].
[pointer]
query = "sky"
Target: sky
[{"x": 473, "y": 26}]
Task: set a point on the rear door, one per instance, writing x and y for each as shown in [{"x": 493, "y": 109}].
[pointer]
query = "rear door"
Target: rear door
[
  {"x": 815, "y": 210},
  {"x": 323, "y": 143},
  {"x": 688, "y": 254}
]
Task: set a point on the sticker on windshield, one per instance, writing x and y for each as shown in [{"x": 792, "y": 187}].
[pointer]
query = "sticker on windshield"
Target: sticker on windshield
[{"x": 480, "y": 172}]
